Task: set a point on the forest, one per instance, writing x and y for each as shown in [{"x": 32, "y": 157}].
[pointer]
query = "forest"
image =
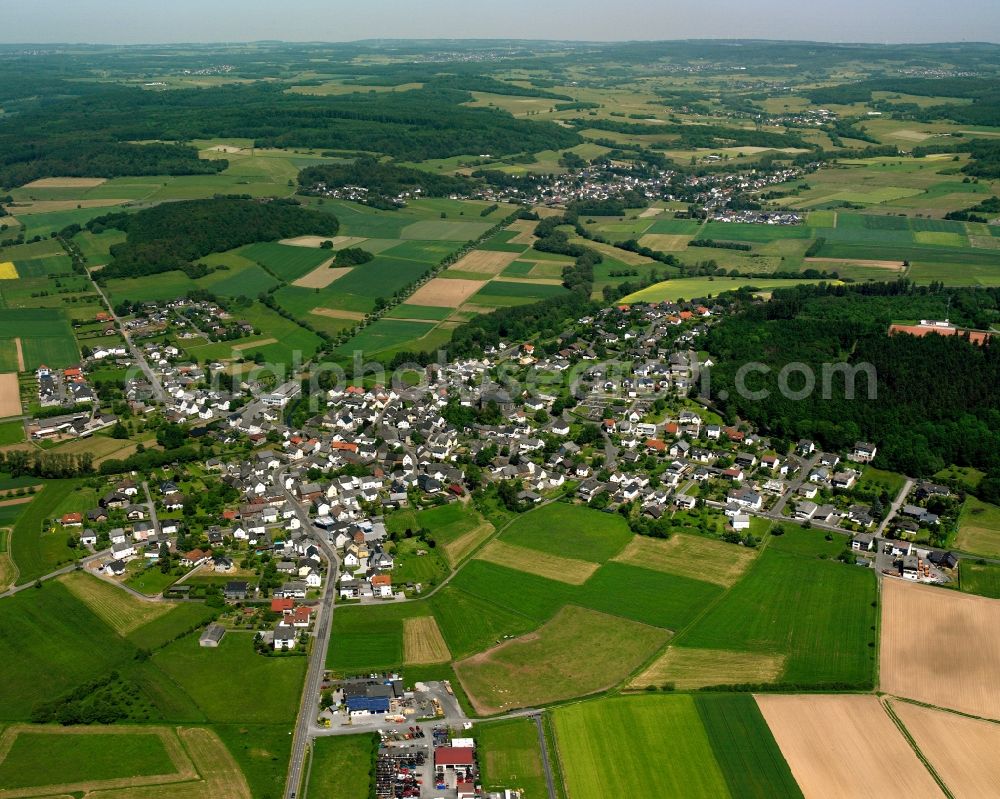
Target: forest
[
  {"x": 174, "y": 235},
  {"x": 384, "y": 182},
  {"x": 938, "y": 397}
]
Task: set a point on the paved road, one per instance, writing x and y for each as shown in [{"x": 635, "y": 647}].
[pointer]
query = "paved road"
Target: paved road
[
  {"x": 140, "y": 359},
  {"x": 803, "y": 475},
  {"x": 897, "y": 503},
  {"x": 302, "y": 734},
  {"x": 543, "y": 744},
  {"x": 152, "y": 507}
]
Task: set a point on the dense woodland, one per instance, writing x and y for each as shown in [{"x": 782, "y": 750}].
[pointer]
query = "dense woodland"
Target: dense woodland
[
  {"x": 938, "y": 398},
  {"x": 174, "y": 235}
]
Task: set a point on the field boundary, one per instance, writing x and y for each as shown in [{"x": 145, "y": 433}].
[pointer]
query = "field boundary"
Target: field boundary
[{"x": 887, "y": 707}]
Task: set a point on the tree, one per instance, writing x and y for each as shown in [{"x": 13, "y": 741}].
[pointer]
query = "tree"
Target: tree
[{"x": 164, "y": 558}]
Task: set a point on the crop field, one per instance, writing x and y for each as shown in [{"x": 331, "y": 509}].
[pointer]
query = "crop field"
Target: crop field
[
  {"x": 45, "y": 336},
  {"x": 828, "y": 740},
  {"x": 942, "y": 669},
  {"x": 578, "y": 652},
  {"x": 458, "y": 528},
  {"x": 429, "y": 313},
  {"x": 688, "y": 288},
  {"x": 689, "y": 556},
  {"x": 509, "y": 755},
  {"x": 50, "y": 631},
  {"x": 385, "y": 334},
  {"x": 288, "y": 263},
  {"x": 36, "y": 552},
  {"x": 689, "y": 669},
  {"x": 704, "y": 746},
  {"x": 422, "y": 641},
  {"x": 471, "y": 624},
  {"x": 526, "y": 594},
  {"x": 205, "y": 675},
  {"x": 570, "y": 530},
  {"x": 980, "y": 578},
  {"x": 485, "y": 262},
  {"x": 367, "y": 638},
  {"x": 979, "y": 528},
  {"x": 819, "y": 614},
  {"x": 10, "y": 398},
  {"x": 442, "y": 292},
  {"x": 340, "y": 765},
  {"x": 544, "y": 564},
  {"x": 964, "y": 752},
  {"x": 122, "y": 612},
  {"x": 162, "y": 286}
]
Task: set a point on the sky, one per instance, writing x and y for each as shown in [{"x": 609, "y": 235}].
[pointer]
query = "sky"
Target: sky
[{"x": 164, "y": 21}]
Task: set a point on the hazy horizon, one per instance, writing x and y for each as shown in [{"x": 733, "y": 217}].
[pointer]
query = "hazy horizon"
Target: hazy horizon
[{"x": 230, "y": 21}]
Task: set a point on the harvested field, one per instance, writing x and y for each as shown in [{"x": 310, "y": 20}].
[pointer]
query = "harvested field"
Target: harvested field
[
  {"x": 249, "y": 345},
  {"x": 964, "y": 752},
  {"x": 828, "y": 742},
  {"x": 456, "y": 550},
  {"x": 53, "y": 206},
  {"x": 64, "y": 183},
  {"x": 941, "y": 647},
  {"x": 485, "y": 262},
  {"x": 577, "y": 652},
  {"x": 688, "y": 668},
  {"x": 626, "y": 257},
  {"x": 8, "y": 271},
  {"x": 334, "y": 313},
  {"x": 339, "y": 242},
  {"x": 10, "y": 391},
  {"x": 895, "y": 266},
  {"x": 20, "y": 354},
  {"x": 122, "y": 611},
  {"x": 555, "y": 567},
  {"x": 650, "y": 212},
  {"x": 422, "y": 641},
  {"x": 665, "y": 242},
  {"x": 689, "y": 556},
  {"x": 531, "y": 281},
  {"x": 525, "y": 229},
  {"x": 322, "y": 276},
  {"x": 446, "y": 292}
]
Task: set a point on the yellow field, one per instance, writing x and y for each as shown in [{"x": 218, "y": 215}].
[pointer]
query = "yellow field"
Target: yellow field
[
  {"x": 665, "y": 242},
  {"x": 8, "y": 271},
  {"x": 485, "y": 262},
  {"x": 322, "y": 276},
  {"x": 555, "y": 567},
  {"x": 444, "y": 292},
  {"x": 456, "y": 550},
  {"x": 332, "y": 313},
  {"x": 54, "y": 206},
  {"x": 689, "y": 556},
  {"x": 249, "y": 345},
  {"x": 339, "y": 242},
  {"x": 698, "y": 668},
  {"x": 120, "y": 610},
  {"x": 10, "y": 391},
  {"x": 64, "y": 183},
  {"x": 423, "y": 643}
]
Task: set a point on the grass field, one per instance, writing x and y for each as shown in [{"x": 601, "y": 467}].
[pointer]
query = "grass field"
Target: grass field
[
  {"x": 38, "y": 759},
  {"x": 509, "y": 756},
  {"x": 570, "y": 531},
  {"x": 813, "y": 543},
  {"x": 45, "y": 333},
  {"x": 637, "y": 746},
  {"x": 819, "y": 614},
  {"x": 286, "y": 262},
  {"x": 340, "y": 766},
  {"x": 34, "y": 551},
  {"x": 979, "y": 528},
  {"x": 689, "y": 288},
  {"x": 368, "y": 638},
  {"x": 687, "y": 669},
  {"x": 456, "y": 527},
  {"x": 544, "y": 564},
  {"x": 578, "y": 652},
  {"x": 471, "y": 624},
  {"x": 122, "y": 612},
  {"x": 689, "y": 556},
  {"x": 980, "y": 578}
]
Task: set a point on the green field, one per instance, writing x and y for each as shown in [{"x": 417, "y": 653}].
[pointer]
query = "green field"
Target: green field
[
  {"x": 45, "y": 333},
  {"x": 980, "y": 578},
  {"x": 979, "y": 528},
  {"x": 370, "y": 638},
  {"x": 41, "y": 758},
  {"x": 510, "y": 756},
  {"x": 427, "y": 312},
  {"x": 385, "y": 334},
  {"x": 572, "y": 531},
  {"x": 471, "y": 624},
  {"x": 689, "y": 288},
  {"x": 340, "y": 766},
  {"x": 285, "y": 261},
  {"x": 36, "y": 552},
  {"x": 806, "y": 541},
  {"x": 205, "y": 676},
  {"x": 821, "y": 614},
  {"x": 161, "y": 286},
  {"x": 690, "y": 747}
]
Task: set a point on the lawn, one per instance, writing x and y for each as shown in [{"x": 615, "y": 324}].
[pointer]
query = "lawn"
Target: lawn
[
  {"x": 206, "y": 675},
  {"x": 578, "y": 652},
  {"x": 262, "y": 753},
  {"x": 980, "y": 578},
  {"x": 821, "y": 614},
  {"x": 979, "y": 528},
  {"x": 788, "y": 537},
  {"x": 181, "y": 618},
  {"x": 456, "y": 527},
  {"x": 11, "y": 432},
  {"x": 428, "y": 568},
  {"x": 571, "y": 531},
  {"x": 50, "y": 632},
  {"x": 38, "y": 758},
  {"x": 637, "y": 746},
  {"x": 36, "y": 552},
  {"x": 340, "y": 766},
  {"x": 890, "y": 481},
  {"x": 150, "y": 580},
  {"x": 510, "y": 756}
]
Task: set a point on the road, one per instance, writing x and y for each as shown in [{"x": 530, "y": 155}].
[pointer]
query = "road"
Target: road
[
  {"x": 140, "y": 359},
  {"x": 308, "y": 708},
  {"x": 546, "y": 763},
  {"x": 793, "y": 487},
  {"x": 152, "y": 507},
  {"x": 897, "y": 503}
]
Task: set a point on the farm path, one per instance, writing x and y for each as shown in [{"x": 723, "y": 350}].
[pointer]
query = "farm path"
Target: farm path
[
  {"x": 546, "y": 763},
  {"x": 58, "y": 572}
]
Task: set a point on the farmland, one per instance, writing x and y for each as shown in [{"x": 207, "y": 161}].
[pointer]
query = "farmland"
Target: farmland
[
  {"x": 45, "y": 336},
  {"x": 578, "y": 652},
  {"x": 559, "y": 528},
  {"x": 510, "y": 755},
  {"x": 942, "y": 669},
  {"x": 119, "y": 610},
  {"x": 979, "y": 528},
  {"x": 702, "y": 746},
  {"x": 689, "y": 556},
  {"x": 980, "y": 578},
  {"x": 707, "y": 287},
  {"x": 340, "y": 766},
  {"x": 36, "y": 550}
]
